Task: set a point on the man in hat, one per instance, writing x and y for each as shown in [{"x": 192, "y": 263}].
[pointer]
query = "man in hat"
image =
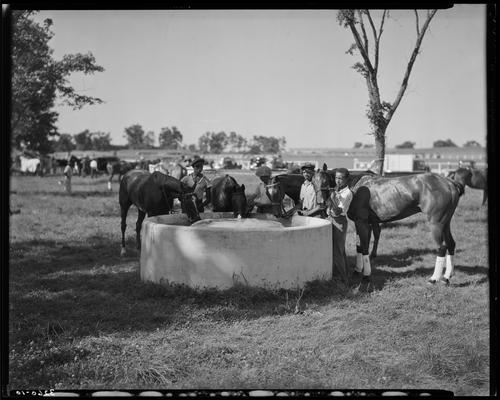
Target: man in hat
[
  {"x": 308, "y": 206},
  {"x": 259, "y": 197},
  {"x": 337, "y": 205},
  {"x": 199, "y": 183}
]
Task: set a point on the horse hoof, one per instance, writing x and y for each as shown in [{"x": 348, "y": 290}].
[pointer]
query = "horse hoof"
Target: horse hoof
[
  {"x": 431, "y": 281},
  {"x": 446, "y": 281}
]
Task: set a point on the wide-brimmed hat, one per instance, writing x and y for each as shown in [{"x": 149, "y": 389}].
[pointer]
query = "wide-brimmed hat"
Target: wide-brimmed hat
[
  {"x": 198, "y": 161},
  {"x": 307, "y": 167}
]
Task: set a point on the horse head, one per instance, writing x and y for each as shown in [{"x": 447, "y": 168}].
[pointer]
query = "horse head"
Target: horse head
[
  {"x": 323, "y": 183},
  {"x": 462, "y": 177},
  {"x": 172, "y": 187},
  {"x": 239, "y": 201},
  {"x": 275, "y": 193}
]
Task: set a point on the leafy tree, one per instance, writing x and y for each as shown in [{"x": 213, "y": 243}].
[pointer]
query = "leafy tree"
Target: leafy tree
[
  {"x": 379, "y": 112},
  {"x": 444, "y": 143},
  {"x": 471, "y": 143},
  {"x": 64, "y": 143},
  {"x": 218, "y": 142},
  {"x": 135, "y": 136},
  {"x": 357, "y": 145},
  {"x": 170, "y": 138},
  {"x": 406, "y": 145},
  {"x": 101, "y": 141},
  {"x": 38, "y": 79},
  {"x": 192, "y": 148},
  {"x": 204, "y": 143},
  {"x": 236, "y": 142},
  {"x": 254, "y": 149},
  {"x": 83, "y": 140},
  {"x": 267, "y": 144},
  {"x": 149, "y": 140}
]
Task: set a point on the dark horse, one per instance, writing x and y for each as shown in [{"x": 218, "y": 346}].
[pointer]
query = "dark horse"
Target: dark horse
[
  {"x": 290, "y": 184},
  {"x": 391, "y": 199},
  {"x": 119, "y": 168},
  {"x": 227, "y": 195},
  {"x": 474, "y": 178},
  {"x": 152, "y": 194}
]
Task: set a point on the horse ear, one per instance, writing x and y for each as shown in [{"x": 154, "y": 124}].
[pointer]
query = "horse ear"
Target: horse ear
[
  {"x": 324, "y": 167},
  {"x": 243, "y": 187}
]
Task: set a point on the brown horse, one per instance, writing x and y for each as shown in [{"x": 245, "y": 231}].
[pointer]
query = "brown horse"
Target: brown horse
[
  {"x": 474, "y": 178},
  {"x": 391, "y": 199},
  {"x": 227, "y": 195},
  {"x": 290, "y": 185},
  {"x": 152, "y": 194}
]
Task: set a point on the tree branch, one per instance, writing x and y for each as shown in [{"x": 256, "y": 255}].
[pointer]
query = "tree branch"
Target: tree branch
[
  {"x": 365, "y": 38},
  {"x": 417, "y": 23},
  {"x": 414, "y": 54},
  {"x": 362, "y": 50},
  {"x": 376, "y": 40}
]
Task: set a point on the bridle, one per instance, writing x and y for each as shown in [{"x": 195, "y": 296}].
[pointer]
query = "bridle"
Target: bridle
[
  {"x": 281, "y": 196},
  {"x": 323, "y": 189}
]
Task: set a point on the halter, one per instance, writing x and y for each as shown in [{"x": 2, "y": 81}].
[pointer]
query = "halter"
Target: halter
[
  {"x": 327, "y": 189},
  {"x": 280, "y": 203}
]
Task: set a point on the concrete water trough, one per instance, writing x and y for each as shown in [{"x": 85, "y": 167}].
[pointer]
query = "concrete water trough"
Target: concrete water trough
[{"x": 219, "y": 250}]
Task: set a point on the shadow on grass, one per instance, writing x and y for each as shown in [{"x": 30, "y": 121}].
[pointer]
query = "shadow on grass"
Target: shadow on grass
[
  {"x": 401, "y": 224},
  {"x": 87, "y": 289},
  {"x": 62, "y": 193}
]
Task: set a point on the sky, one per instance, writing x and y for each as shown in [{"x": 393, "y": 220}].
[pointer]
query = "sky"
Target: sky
[{"x": 273, "y": 73}]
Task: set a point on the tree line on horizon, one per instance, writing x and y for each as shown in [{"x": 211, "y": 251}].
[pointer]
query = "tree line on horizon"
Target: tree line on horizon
[
  {"x": 170, "y": 138},
  {"x": 411, "y": 145}
]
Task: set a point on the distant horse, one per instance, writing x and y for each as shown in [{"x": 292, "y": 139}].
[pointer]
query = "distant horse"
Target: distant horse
[
  {"x": 152, "y": 194},
  {"x": 474, "y": 178},
  {"x": 227, "y": 195},
  {"x": 290, "y": 185},
  {"x": 119, "y": 168},
  {"x": 392, "y": 199}
]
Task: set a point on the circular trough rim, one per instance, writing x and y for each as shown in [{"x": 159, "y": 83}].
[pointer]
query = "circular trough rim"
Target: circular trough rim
[{"x": 320, "y": 222}]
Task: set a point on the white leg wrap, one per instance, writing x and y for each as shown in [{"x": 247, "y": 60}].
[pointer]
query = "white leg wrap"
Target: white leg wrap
[
  {"x": 449, "y": 266},
  {"x": 359, "y": 262},
  {"x": 438, "y": 269},
  {"x": 367, "y": 269},
  {"x": 109, "y": 185}
]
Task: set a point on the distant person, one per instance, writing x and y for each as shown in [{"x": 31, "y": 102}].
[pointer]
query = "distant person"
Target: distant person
[
  {"x": 337, "y": 205},
  {"x": 93, "y": 169},
  {"x": 259, "y": 197},
  {"x": 199, "y": 183},
  {"x": 68, "y": 173}
]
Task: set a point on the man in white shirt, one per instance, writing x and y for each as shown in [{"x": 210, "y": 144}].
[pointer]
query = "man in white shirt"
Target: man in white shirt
[
  {"x": 337, "y": 205},
  {"x": 308, "y": 206}
]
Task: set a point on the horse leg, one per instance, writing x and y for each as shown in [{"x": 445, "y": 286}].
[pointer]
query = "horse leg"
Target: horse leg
[
  {"x": 124, "y": 210},
  {"x": 376, "y": 235},
  {"x": 450, "y": 245},
  {"x": 140, "y": 217},
  {"x": 109, "y": 182},
  {"x": 362, "y": 258},
  {"x": 437, "y": 234}
]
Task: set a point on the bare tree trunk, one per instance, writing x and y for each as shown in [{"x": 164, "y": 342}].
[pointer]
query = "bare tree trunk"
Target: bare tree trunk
[{"x": 380, "y": 150}]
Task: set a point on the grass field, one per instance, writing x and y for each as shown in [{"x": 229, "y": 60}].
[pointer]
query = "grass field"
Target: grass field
[{"x": 80, "y": 317}]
